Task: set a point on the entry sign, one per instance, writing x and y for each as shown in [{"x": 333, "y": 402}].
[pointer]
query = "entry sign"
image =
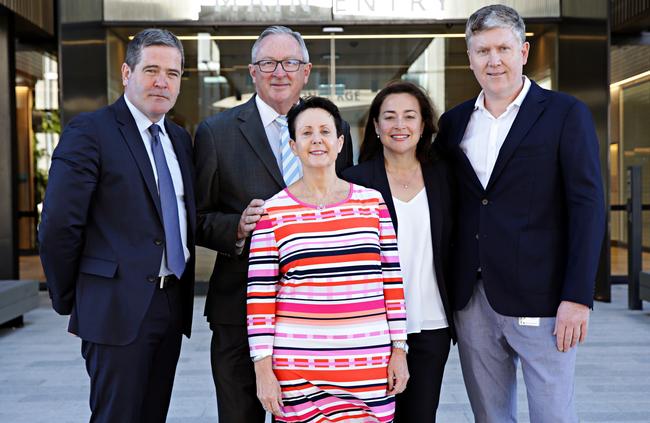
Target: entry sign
[
  {"x": 388, "y": 9},
  {"x": 430, "y": 10},
  {"x": 310, "y": 11}
]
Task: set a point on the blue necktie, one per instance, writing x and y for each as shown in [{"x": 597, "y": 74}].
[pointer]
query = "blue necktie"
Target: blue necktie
[
  {"x": 169, "y": 206},
  {"x": 291, "y": 167}
]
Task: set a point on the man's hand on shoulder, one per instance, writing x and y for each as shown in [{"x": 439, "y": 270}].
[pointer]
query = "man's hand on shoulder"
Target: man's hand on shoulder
[
  {"x": 248, "y": 219},
  {"x": 570, "y": 325}
]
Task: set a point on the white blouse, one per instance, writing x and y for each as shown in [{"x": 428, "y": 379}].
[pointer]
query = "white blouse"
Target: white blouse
[{"x": 424, "y": 309}]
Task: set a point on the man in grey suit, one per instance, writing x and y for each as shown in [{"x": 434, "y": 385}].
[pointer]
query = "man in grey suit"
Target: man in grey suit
[{"x": 241, "y": 159}]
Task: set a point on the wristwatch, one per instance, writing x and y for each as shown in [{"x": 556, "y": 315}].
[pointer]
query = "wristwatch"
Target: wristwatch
[
  {"x": 260, "y": 357},
  {"x": 401, "y": 345}
]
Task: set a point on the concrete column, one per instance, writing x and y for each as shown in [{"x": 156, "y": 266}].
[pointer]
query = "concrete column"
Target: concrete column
[
  {"x": 8, "y": 216},
  {"x": 83, "y": 74},
  {"x": 583, "y": 71}
]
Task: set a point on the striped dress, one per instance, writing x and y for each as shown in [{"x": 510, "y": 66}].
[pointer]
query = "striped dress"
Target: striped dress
[{"x": 325, "y": 299}]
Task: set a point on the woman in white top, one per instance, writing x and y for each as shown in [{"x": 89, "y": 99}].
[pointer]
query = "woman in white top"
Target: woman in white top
[{"x": 397, "y": 159}]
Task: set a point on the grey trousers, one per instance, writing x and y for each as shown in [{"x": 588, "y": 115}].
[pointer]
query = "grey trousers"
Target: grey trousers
[{"x": 490, "y": 344}]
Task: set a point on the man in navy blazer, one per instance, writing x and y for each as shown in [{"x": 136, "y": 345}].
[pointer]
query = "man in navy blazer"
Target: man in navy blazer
[
  {"x": 530, "y": 227},
  {"x": 116, "y": 237}
]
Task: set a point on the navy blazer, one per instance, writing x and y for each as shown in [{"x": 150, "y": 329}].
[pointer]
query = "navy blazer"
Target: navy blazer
[
  {"x": 372, "y": 174},
  {"x": 101, "y": 234},
  {"x": 535, "y": 232}
]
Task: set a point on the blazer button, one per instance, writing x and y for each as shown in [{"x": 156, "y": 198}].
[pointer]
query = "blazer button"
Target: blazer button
[
  {"x": 477, "y": 236},
  {"x": 484, "y": 201},
  {"x": 151, "y": 279},
  {"x": 158, "y": 242}
]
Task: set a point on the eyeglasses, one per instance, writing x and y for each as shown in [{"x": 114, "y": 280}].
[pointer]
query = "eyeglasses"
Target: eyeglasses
[{"x": 289, "y": 65}]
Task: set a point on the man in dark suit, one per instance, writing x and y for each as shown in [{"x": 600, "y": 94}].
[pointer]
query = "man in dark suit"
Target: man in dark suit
[
  {"x": 242, "y": 157},
  {"x": 116, "y": 235},
  {"x": 530, "y": 227}
]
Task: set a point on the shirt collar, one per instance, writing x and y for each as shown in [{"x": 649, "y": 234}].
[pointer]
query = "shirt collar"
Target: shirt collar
[
  {"x": 141, "y": 120},
  {"x": 479, "y": 104},
  {"x": 267, "y": 113}
]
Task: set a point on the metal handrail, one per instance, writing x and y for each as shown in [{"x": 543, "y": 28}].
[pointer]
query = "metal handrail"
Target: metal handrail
[{"x": 624, "y": 207}]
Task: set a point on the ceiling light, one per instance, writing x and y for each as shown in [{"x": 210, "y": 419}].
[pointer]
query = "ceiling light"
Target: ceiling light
[
  {"x": 337, "y": 36},
  {"x": 630, "y": 79}
]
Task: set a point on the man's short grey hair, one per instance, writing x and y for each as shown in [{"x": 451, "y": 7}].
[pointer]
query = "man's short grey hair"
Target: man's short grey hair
[
  {"x": 280, "y": 30},
  {"x": 495, "y": 16},
  {"x": 151, "y": 37}
]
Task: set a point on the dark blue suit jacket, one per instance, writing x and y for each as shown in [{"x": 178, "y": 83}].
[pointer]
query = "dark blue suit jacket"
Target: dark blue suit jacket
[
  {"x": 536, "y": 231},
  {"x": 101, "y": 235}
]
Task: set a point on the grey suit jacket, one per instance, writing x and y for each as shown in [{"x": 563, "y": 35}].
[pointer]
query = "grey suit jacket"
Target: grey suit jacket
[{"x": 235, "y": 164}]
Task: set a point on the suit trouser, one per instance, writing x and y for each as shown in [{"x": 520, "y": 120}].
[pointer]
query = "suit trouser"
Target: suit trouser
[
  {"x": 491, "y": 344},
  {"x": 133, "y": 383},
  {"x": 426, "y": 359},
  {"x": 234, "y": 376}
]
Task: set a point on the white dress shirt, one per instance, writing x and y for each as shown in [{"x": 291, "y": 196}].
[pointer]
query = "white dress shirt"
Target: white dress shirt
[
  {"x": 271, "y": 127},
  {"x": 485, "y": 134},
  {"x": 143, "y": 123},
  {"x": 424, "y": 309}
]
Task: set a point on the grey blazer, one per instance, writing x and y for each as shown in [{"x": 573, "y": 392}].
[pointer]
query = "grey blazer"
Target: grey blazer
[{"x": 235, "y": 164}]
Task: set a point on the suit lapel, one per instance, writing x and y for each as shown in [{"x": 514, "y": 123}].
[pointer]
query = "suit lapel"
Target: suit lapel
[
  {"x": 251, "y": 127},
  {"x": 465, "y": 165},
  {"x": 432, "y": 178},
  {"x": 133, "y": 140},
  {"x": 531, "y": 108},
  {"x": 380, "y": 181},
  {"x": 185, "y": 162}
]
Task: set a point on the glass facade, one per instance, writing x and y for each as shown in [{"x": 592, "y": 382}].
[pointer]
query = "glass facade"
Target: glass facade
[
  {"x": 37, "y": 132},
  {"x": 630, "y": 146}
]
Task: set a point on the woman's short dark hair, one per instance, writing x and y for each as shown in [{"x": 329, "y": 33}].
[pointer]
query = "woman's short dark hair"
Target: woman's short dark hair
[
  {"x": 314, "y": 103},
  {"x": 371, "y": 145}
]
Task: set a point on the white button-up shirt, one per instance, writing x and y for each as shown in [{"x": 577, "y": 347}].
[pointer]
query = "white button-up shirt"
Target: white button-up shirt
[
  {"x": 485, "y": 134},
  {"x": 271, "y": 127},
  {"x": 143, "y": 123}
]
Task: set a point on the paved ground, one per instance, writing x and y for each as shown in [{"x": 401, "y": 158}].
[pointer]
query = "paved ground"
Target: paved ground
[{"x": 43, "y": 379}]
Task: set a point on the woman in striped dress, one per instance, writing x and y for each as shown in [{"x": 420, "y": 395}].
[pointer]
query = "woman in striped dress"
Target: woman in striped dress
[{"x": 326, "y": 317}]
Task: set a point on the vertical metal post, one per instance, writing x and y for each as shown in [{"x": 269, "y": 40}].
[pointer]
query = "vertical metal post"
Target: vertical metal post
[
  {"x": 634, "y": 238},
  {"x": 603, "y": 286},
  {"x": 332, "y": 67}
]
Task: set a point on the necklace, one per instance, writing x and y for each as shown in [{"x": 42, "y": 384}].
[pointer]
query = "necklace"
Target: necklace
[
  {"x": 320, "y": 202},
  {"x": 405, "y": 183},
  {"x": 332, "y": 195}
]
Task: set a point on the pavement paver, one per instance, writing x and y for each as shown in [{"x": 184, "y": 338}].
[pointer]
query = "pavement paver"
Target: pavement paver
[{"x": 43, "y": 378}]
